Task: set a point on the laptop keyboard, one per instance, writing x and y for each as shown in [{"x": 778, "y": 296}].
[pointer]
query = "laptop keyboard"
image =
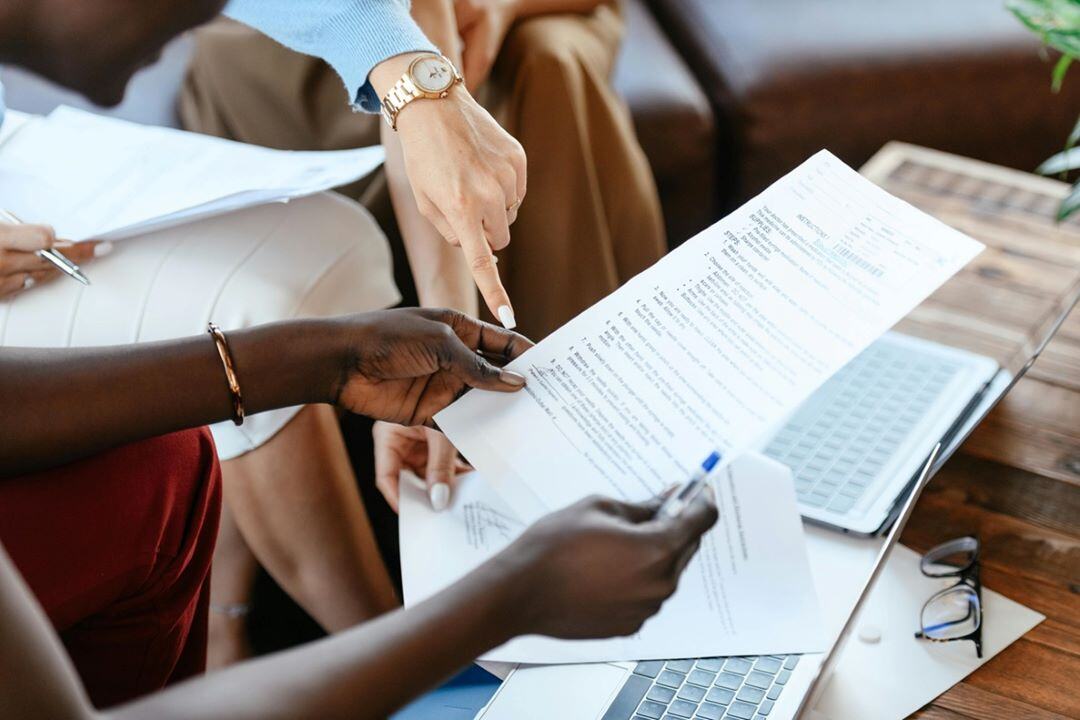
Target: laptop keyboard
[
  {"x": 708, "y": 688},
  {"x": 839, "y": 441}
]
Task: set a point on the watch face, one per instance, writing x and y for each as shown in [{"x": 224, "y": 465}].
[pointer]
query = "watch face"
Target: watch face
[{"x": 432, "y": 74}]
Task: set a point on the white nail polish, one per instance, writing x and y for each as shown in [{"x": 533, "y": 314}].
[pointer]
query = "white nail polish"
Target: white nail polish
[
  {"x": 103, "y": 249},
  {"x": 439, "y": 494},
  {"x": 28, "y": 282},
  {"x": 506, "y": 317}
]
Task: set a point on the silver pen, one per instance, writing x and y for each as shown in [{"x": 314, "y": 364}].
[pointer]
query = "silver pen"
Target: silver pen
[
  {"x": 51, "y": 254},
  {"x": 678, "y": 500}
]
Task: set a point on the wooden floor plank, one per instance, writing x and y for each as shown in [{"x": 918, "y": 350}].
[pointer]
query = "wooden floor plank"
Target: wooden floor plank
[
  {"x": 1058, "y": 635},
  {"x": 933, "y": 712},
  {"x": 1033, "y": 674},
  {"x": 1018, "y": 443},
  {"x": 1008, "y": 490},
  {"x": 975, "y": 702}
]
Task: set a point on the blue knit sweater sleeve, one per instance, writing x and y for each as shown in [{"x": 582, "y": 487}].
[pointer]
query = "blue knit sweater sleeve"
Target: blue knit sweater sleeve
[{"x": 353, "y": 36}]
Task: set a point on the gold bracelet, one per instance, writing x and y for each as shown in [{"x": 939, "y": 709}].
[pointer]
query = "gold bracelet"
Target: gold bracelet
[{"x": 230, "y": 371}]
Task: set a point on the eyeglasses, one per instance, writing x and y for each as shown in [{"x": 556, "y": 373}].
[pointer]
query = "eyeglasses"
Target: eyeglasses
[{"x": 954, "y": 613}]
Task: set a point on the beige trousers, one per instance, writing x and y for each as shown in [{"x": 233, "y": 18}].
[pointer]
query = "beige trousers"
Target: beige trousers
[{"x": 591, "y": 219}]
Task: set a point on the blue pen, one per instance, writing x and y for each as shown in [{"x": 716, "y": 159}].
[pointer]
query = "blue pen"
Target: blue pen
[{"x": 676, "y": 502}]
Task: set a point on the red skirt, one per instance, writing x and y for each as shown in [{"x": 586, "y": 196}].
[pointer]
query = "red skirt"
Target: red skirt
[{"x": 117, "y": 550}]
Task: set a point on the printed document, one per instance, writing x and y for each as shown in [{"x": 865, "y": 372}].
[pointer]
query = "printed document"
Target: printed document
[
  {"x": 709, "y": 347},
  {"x": 749, "y": 589},
  {"x": 94, "y": 177}
]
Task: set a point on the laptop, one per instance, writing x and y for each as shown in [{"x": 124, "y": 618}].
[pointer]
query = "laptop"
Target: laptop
[
  {"x": 781, "y": 687},
  {"x": 854, "y": 446}
]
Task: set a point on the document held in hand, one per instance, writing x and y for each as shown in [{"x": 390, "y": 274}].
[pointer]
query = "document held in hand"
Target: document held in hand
[
  {"x": 94, "y": 177},
  {"x": 709, "y": 347},
  {"x": 748, "y": 590}
]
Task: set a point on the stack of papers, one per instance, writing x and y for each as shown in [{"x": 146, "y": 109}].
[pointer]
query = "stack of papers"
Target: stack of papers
[{"x": 93, "y": 177}]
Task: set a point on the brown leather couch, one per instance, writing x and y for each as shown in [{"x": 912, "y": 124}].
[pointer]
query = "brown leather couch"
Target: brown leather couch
[
  {"x": 674, "y": 122},
  {"x": 788, "y": 77}
]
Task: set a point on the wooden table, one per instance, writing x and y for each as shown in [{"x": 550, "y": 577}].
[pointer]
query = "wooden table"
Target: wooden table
[{"x": 1016, "y": 482}]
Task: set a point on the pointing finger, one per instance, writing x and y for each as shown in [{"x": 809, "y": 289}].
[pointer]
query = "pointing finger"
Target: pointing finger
[{"x": 482, "y": 265}]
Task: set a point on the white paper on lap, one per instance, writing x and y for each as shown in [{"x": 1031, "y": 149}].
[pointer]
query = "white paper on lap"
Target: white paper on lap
[{"x": 748, "y": 591}]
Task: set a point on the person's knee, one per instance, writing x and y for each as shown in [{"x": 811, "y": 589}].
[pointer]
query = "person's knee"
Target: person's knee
[
  {"x": 197, "y": 474},
  {"x": 184, "y": 514},
  {"x": 561, "y": 46},
  {"x": 176, "y": 482}
]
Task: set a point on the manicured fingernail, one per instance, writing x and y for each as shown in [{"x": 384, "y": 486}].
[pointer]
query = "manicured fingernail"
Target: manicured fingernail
[
  {"x": 511, "y": 378},
  {"x": 506, "y": 317},
  {"x": 103, "y": 249},
  {"x": 439, "y": 493},
  {"x": 63, "y": 244},
  {"x": 28, "y": 282}
]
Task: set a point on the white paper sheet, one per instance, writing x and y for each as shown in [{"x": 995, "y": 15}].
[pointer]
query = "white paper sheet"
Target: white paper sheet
[
  {"x": 96, "y": 177},
  {"x": 716, "y": 342},
  {"x": 12, "y": 123},
  {"x": 748, "y": 591},
  {"x": 897, "y": 675}
]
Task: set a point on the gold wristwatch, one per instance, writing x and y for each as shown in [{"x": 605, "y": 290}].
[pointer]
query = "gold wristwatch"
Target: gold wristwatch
[{"x": 429, "y": 76}]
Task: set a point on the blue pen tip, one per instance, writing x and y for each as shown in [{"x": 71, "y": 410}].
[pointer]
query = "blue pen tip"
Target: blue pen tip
[{"x": 710, "y": 462}]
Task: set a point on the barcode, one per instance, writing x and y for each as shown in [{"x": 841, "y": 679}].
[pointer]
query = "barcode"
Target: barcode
[{"x": 862, "y": 263}]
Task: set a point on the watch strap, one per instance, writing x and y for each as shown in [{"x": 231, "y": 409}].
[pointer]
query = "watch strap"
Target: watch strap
[{"x": 401, "y": 94}]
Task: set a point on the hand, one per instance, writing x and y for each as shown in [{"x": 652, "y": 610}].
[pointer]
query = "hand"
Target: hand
[
  {"x": 21, "y": 268},
  {"x": 405, "y": 365},
  {"x": 425, "y": 452},
  {"x": 601, "y": 567},
  {"x": 482, "y": 25},
  {"x": 467, "y": 175}
]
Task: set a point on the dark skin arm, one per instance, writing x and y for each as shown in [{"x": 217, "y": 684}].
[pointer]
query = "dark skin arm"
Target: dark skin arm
[
  {"x": 399, "y": 365},
  {"x": 596, "y": 569}
]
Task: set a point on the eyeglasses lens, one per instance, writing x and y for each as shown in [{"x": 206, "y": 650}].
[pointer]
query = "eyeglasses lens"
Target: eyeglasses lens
[
  {"x": 950, "y": 614},
  {"x": 950, "y": 558}
]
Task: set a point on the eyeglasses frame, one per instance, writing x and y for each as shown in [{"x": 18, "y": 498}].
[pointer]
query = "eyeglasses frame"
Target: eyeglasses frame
[{"x": 969, "y": 576}]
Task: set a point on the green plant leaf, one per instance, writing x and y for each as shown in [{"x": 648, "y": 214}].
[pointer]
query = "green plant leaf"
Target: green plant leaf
[
  {"x": 1074, "y": 136},
  {"x": 1057, "y": 22},
  {"x": 1062, "y": 162},
  {"x": 1070, "y": 204},
  {"x": 1060, "y": 68}
]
